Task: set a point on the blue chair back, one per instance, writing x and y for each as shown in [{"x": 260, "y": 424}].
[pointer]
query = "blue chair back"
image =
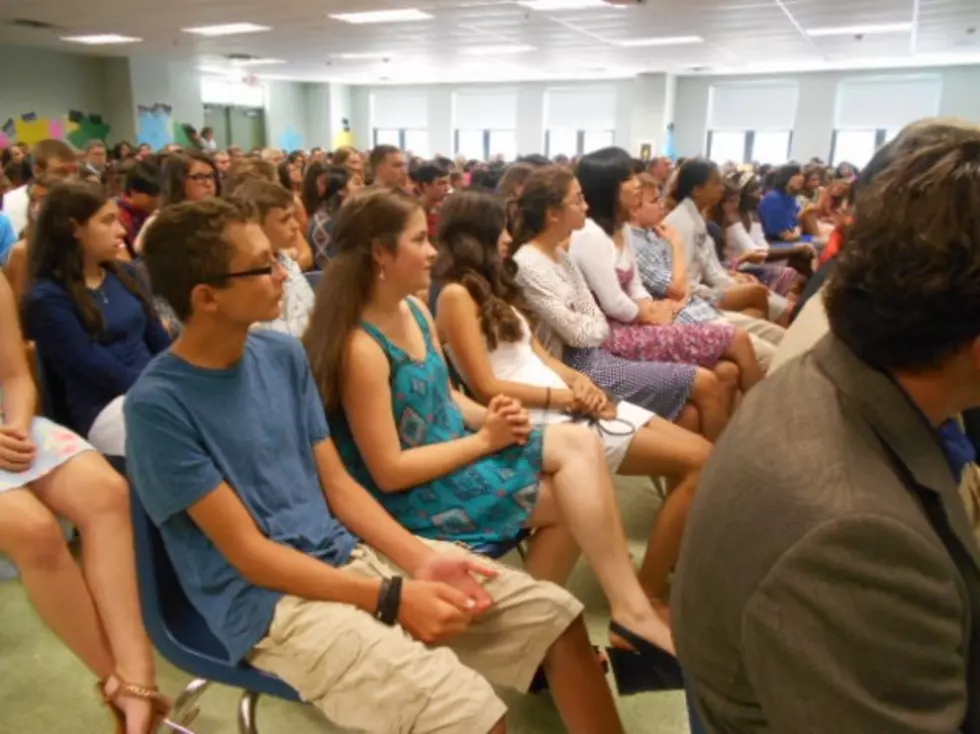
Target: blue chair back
[{"x": 175, "y": 627}]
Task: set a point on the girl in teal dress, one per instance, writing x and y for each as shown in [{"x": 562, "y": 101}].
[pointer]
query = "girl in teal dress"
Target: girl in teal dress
[{"x": 446, "y": 467}]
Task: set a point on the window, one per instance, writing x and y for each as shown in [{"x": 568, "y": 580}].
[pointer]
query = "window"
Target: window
[
  {"x": 579, "y": 120},
  {"x": 561, "y": 141},
  {"x": 770, "y": 146},
  {"x": 871, "y": 111},
  {"x": 416, "y": 142},
  {"x": 400, "y": 117},
  {"x": 388, "y": 137},
  {"x": 413, "y": 141},
  {"x": 481, "y": 145},
  {"x": 855, "y": 146},
  {"x": 485, "y": 122},
  {"x": 597, "y": 139},
  {"x": 724, "y": 147},
  {"x": 503, "y": 143},
  {"x": 469, "y": 143},
  {"x": 751, "y": 121}
]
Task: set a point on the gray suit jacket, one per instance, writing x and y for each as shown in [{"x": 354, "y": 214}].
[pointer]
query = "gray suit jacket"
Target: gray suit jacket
[{"x": 828, "y": 579}]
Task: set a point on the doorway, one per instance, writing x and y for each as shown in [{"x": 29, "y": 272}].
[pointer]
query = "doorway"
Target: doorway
[{"x": 232, "y": 125}]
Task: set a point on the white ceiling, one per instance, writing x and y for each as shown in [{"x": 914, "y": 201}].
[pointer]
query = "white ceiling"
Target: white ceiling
[{"x": 740, "y": 36}]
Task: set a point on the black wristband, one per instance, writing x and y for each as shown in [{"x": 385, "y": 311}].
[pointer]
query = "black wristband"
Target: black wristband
[{"x": 389, "y": 600}]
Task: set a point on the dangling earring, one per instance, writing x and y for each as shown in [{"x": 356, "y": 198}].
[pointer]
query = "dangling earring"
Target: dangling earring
[{"x": 381, "y": 274}]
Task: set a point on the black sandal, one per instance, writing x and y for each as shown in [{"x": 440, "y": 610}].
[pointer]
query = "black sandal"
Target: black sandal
[
  {"x": 539, "y": 684},
  {"x": 644, "y": 668}
]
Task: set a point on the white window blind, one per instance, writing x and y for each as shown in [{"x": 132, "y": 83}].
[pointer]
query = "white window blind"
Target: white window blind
[
  {"x": 890, "y": 102},
  {"x": 580, "y": 108},
  {"x": 399, "y": 108},
  {"x": 485, "y": 110},
  {"x": 753, "y": 106}
]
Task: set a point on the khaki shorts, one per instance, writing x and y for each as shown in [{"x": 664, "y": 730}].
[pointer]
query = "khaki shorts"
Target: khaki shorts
[
  {"x": 764, "y": 335},
  {"x": 366, "y": 676}
]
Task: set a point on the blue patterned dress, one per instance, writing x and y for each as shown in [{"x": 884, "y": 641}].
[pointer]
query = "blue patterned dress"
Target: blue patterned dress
[{"x": 488, "y": 501}]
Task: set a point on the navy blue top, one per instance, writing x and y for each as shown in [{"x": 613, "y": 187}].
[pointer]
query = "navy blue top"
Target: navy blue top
[
  {"x": 92, "y": 373},
  {"x": 779, "y": 212},
  {"x": 254, "y": 426}
]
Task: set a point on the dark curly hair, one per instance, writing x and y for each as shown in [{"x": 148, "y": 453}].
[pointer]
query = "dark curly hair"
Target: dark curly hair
[
  {"x": 906, "y": 290},
  {"x": 470, "y": 225}
]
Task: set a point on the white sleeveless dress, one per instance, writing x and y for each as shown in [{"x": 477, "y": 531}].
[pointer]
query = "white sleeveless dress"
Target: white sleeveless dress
[{"x": 517, "y": 362}]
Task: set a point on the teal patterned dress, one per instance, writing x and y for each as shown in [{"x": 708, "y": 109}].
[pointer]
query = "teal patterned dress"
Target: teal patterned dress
[{"x": 488, "y": 501}]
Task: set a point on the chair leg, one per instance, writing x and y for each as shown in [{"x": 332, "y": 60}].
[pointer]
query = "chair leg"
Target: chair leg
[
  {"x": 184, "y": 710},
  {"x": 246, "y": 713}
]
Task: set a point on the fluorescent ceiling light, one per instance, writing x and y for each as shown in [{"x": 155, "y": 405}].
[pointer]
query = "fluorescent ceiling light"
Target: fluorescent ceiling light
[
  {"x": 661, "y": 41},
  {"x": 498, "y": 50},
  {"x": 101, "y": 39},
  {"x": 383, "y": 16},
  {"x": 228, "y": 29},
  {"x": 858, "y": 30},
  {"x": 256, "y": 62},
  {"x": 546, "y": 5},
  {"x": 363, "y": 55}
]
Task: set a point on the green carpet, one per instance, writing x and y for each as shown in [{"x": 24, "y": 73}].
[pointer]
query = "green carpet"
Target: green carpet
[{"x": 44, "y": 690}]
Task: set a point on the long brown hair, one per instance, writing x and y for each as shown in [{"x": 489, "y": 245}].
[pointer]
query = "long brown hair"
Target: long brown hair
[
  {"x": 372, "y": 217},
  {"x": 544, "y": 190},
  {"x": 470, "y": 225},
  {"x": 54, "y": 252}
]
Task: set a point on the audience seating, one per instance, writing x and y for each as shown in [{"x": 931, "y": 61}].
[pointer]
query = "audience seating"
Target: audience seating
[{"x": 181, "y": 635}]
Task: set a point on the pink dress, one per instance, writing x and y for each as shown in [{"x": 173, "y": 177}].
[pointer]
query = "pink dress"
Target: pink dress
[{"x": 703, "y": 344}]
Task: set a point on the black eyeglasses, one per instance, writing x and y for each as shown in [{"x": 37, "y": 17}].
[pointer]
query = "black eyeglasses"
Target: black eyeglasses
[{"x": 265, "y": 270}]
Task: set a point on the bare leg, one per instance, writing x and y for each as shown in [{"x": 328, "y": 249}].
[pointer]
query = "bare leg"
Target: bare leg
[
  {"x": 708, "y": 395},
  {"x": 578, "y": 686},
  {"x": 742, "y": 353},
  {"x": 660, "y": 448},
  {"x": 31, "y": 536},
  {"x": 689, "y": 419},
  {"x": 552, "y": 554},
  {"x": 745, "y": 296},
  {"x": 95, "y": 498},
  {"x": 579, "y": 490},
  {"x": 665, "y": 541},
  {"x": 730, "y": 377},
  {"x": 500, "y": 728}
]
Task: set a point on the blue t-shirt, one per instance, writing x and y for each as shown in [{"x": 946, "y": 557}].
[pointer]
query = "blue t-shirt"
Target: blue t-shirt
[
  {"x": 253, "y": 426},
  {"x": 779, "y": 212}
]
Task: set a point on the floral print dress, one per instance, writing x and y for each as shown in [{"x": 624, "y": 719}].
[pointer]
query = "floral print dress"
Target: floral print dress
[{"x": 55, "y": 445}]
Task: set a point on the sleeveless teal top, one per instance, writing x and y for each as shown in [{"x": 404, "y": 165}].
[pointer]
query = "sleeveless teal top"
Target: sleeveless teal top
[{"x": 488, "y": 501}]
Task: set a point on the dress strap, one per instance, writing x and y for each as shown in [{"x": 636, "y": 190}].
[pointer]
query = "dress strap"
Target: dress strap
[
  {"x": 375, "y": 333},
  {"x": 423, "y": 323}
]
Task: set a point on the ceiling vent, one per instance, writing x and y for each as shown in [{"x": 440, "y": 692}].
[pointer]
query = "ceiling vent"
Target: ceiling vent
[{"x": 37, "y": 25}]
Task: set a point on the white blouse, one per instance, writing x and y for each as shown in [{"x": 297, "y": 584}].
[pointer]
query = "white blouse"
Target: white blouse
[
  {"x": 739, "y": 242},
  {"x": 596, "y": 255},
  {"x": 557, "y": 293}
]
